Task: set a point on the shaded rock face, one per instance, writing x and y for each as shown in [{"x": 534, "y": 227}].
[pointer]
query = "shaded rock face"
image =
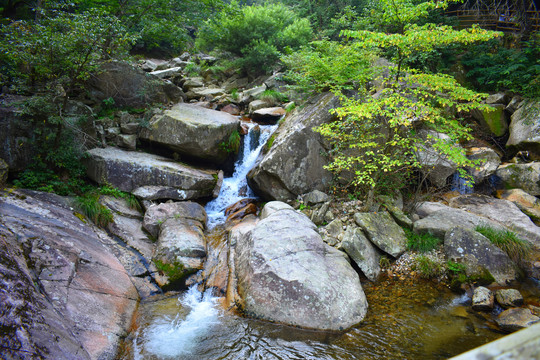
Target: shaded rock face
[
  {"x": 131, "y": 171},
  {"x": 521, "y": 176},
  {"x": 15, "y": 135},
  {"x": 525, "y": 129},
  {"x": 287, "y": 274},
  {"x": 129, "y": 86},
  {"x": 493, "y": 120},
  {"x": 489, "y": 162},
  {"x": 479, "y": 255},
  {"x": 294, "y": 164},
  {"x": 382, "y": 230},
  {"x": 194, "y": 131},
  {"x": 63, "y": 294}
]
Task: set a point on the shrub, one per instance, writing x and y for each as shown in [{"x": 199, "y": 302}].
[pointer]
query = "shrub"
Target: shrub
[
  {"x": 421, "y": 242},
  {"x": 516, "y": 248},
  {"x": 257, "y": 34},
  {"x": 90, "y": 206},
  {"x": 271, "y": 96}
]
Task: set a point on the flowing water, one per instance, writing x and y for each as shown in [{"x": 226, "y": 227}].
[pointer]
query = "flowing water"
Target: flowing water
[{"x": 407, "y": 318}]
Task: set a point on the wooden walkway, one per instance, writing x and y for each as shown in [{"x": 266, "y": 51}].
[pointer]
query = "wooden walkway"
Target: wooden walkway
[{"x": 496, "y": 19}]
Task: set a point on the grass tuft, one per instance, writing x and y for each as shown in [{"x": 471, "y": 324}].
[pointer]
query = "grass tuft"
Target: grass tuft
[
  {"x": 89, "y": 205},
  {"x": 421, "y": 242},
  {"x": 516, "y": 248}
]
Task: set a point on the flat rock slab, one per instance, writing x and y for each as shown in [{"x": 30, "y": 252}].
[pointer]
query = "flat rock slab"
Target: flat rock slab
[
  {"x": 382, "y": 230},
  {"x": 194, "y": 131},
  {"x": 69, "y": 297},
  {"x": 129, "y": 171},
  {"x": 287, "y": 274}
]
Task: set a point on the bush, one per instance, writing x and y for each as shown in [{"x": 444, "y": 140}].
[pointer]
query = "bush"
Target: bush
[
  {"x": 516, "y": 248},
  {"x": 421, "y": 242},
  {"x": 258, "y": 35}
]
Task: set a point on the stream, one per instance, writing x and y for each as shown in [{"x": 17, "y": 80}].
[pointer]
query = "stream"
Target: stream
[{"x": 407, "y": 318}]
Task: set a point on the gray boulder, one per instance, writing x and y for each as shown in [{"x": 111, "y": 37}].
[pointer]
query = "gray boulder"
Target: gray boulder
[
  {"x": 436, "y": 166},
  {"x": 315, "y": 197},
  {"x": 287, "y": 274},
  {"x": 129, "y": 170},
  {"x": 508, "y": 298},
  {"x": 489, "y": 162},
  {"x": 158, "y": 214},
  {"x": 515, "y": 319},
  {"x": 481, "y": 258},
  {"x": 530, "y": 205},
  {"x": 521, "y": 176},
  {"x": 362, "y": 251},
  {"x": 63, "y": 294},
  {"x": 525, "y": 129},
  {"x": 501, "y": 211},
  {"x": 483, "y": 299},
  {"x": 193, "y": 131},
  {"x": 382, "y": 230},
  {"x": 130, "y": 86},
  {"x": 294, "y": 164}
]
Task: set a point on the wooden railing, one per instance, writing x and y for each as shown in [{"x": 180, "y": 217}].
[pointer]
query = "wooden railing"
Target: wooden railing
[{"x": 496, "y": 20}]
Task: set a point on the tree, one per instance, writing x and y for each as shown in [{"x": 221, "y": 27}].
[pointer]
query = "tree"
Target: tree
[{"x": 377, "y": 138}]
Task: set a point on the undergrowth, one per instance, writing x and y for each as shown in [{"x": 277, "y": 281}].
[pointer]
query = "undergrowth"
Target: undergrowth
[{"x": 421, "y": 242}]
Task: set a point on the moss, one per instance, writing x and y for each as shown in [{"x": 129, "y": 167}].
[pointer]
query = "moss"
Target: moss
[{"x": 175, "y": 271}]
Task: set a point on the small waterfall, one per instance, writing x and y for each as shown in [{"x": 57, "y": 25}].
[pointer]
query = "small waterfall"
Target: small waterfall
[
  {"x": 235, "y": 188},
  {"x": 168, "y": 337},
  {"x": 461, "y": 185}
]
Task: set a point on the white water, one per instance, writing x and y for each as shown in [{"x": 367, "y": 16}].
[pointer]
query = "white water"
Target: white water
[
  {"x": 235, "y": 188},
  {"x": 168, "y": 337}
]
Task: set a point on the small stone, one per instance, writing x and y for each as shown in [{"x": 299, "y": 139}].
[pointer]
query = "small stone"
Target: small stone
[
  {"x": 483, "y": 299},
  {"x": 508, "y": 298}
]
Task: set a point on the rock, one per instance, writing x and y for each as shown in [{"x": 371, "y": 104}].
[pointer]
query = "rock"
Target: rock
[
  {"x": 493, "y": 119},
  {"x": 525, "y": 129},
  {"x": 498, "y": 98},
  {"x": 129, "y": 86},
  {"x": 128, "y": 171},
  {"x": 319, "y": 213},
  {"x": 256, "y": 105},
  {"x": 294, "y": 164},
  {"x": 192, "y": 83},
  {"x": 268, "y": 115},
  {"x": 483, "y": 299},
  {"x": 528, "y": 204},
  {"x": 152, "y": 192},
  {"x": 166, "y": 73},
  {"x": 4, "y": 171},
  {"x": 481, "y": 258},
  {"x": 515, "y": 319},
  {"x": 273, "y": 206},
  {"x": 521, "y": 176},
  {"x": 239, "y": 205},
  {"x": 251, "y": 94},
  {"x": 275, "y": 81},
  {"x": 315, "y": 197},
  {"x": 207, "y": 93},
  {"x": 158, "y": 214},
  {"x": 489, "y": 162},
  {"x": 426, "y": 208},
  {"x": 363, "y": 253},
  {"x": 399, "y": 216},
  {"x": 194, "y": 131},
  {"x": 15, "y": 146},
  {"x": 508, "y": 298},
  {"x": 63, "y": 294},
  {"x": 128, "y": 142},
  {"x": 514, "y": 104},
  {"x": 501, "y": 211},
  {"x": 332, "y": 233},
  {"x": 287, "y": 274},
  {"x": 231, "y": 109},
  {"x": 444, "y": 218},
  {"x": 148, "y": 65},
  {"x": 383, "y": 231},
  {"x": 434, "y": 165}
]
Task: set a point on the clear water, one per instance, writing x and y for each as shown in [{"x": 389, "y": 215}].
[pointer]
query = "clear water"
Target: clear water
[{"x": 235, "y": 188}]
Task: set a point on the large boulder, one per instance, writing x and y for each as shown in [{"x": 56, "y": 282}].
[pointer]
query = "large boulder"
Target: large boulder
[
  {"x": 130, "y": 86},
  {"x": 530, "y": 205},
  {"x": 436, "y": 166},
  {"x": 362, "y": 251},
  {"x": 521, "y": 176},
  {"x": 492, "y": 119},
  {"x": 130, "y": 171},
  {"x": 63, "y": 294},
  {"x": 294, "y": 163},
  {"x": 193, "y": 131},
  {"x": 382, "y": 230},
  {"x": 501, "y": 211},
  {"x": 287, "y": 274},
  {"x": 481, "y": 258},
  {"x": 525, "y": 129}
]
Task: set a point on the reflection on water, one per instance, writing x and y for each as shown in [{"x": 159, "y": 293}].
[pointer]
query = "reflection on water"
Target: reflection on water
[{"x": 411, "y": 319}]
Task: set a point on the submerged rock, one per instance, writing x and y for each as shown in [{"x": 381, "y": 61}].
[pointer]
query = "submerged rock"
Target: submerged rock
[
  {"x": 287, "y": 274},
  {"x": 481, "y": 258}
]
